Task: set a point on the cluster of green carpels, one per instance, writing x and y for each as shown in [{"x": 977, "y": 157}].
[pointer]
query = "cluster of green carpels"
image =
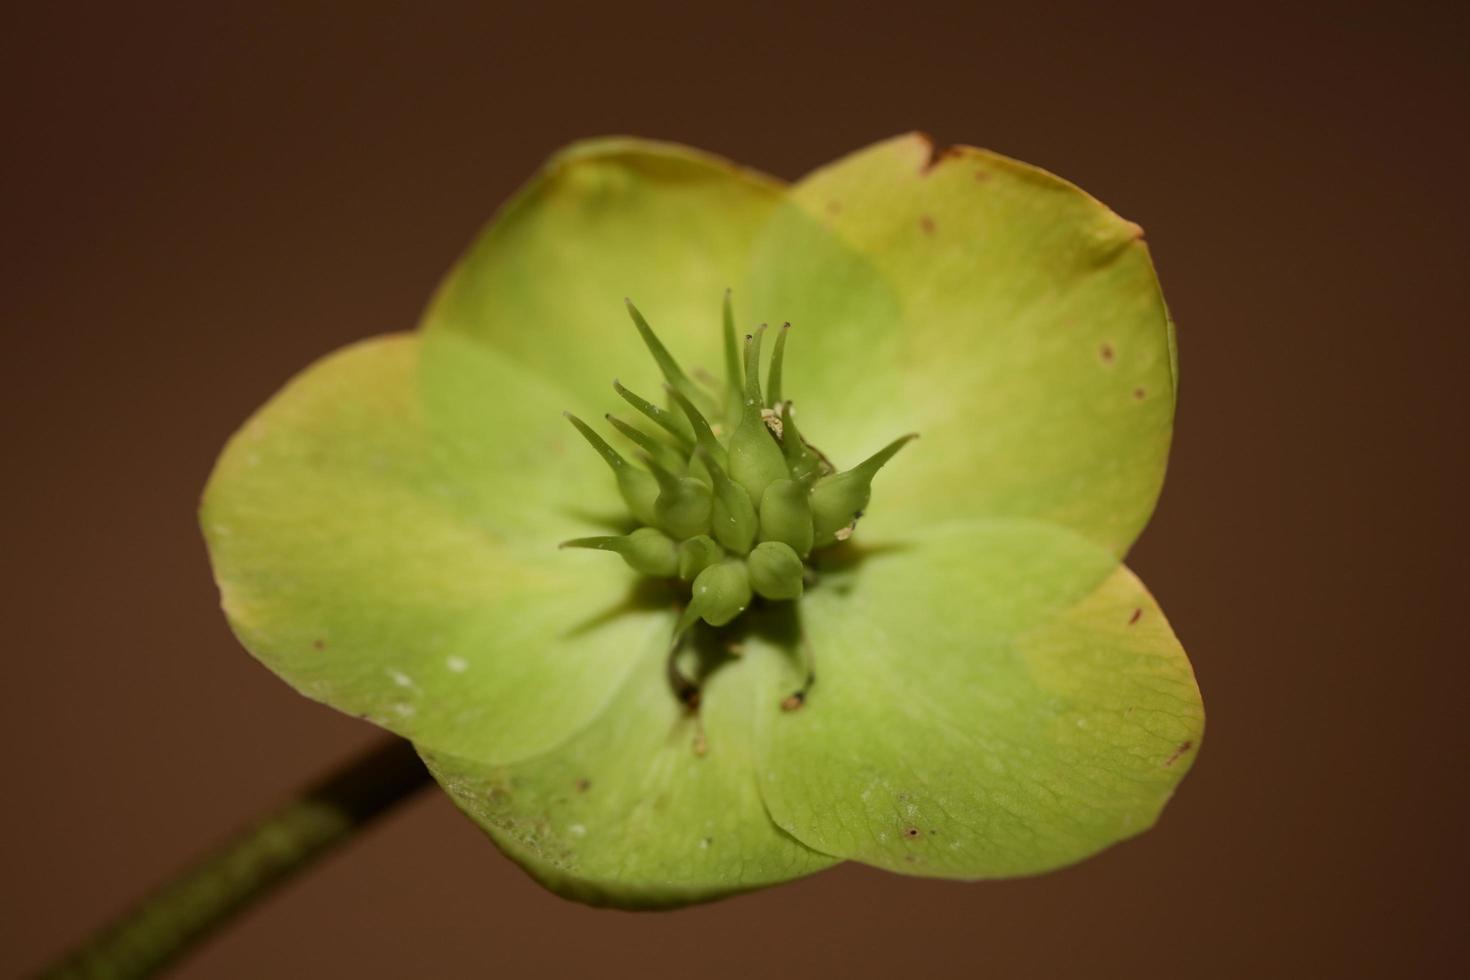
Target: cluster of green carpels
[{"x": 733, "y": 507}]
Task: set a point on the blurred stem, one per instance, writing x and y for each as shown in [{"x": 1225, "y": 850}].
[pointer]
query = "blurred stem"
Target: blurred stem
[{"x": 245, "y": 869}]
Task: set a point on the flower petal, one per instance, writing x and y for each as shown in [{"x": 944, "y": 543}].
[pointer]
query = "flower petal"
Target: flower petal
[
  {"x": 993, "y": 699},
  {"x": 667, "y": 226},
  {"x": 390, "y": 561},
  {"x": 629, "y": 813},
  {"x": 1003, "y": 313}
]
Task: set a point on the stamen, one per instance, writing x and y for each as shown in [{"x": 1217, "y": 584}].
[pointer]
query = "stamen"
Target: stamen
[
  {"x": 795, "y": 700},
  {"x": 663, "y": 418},
  {"x": 684, "y": 689},
  {"x": 778, "y": 356}
]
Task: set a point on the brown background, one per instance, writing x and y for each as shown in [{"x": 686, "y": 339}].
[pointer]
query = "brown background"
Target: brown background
[{"x": 201, "y": 198}]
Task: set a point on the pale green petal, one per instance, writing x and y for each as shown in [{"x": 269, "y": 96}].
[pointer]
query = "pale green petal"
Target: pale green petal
[
  {"x": 665, "y": 225},
  {"x": 1001, "y": 312},
  {"x": 991, "y": 699},
  {"x": 630, "y": 813},
  {"x": 407, "y": 572}
]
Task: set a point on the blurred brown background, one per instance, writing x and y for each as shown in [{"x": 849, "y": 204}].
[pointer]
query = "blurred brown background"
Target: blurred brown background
[{"x": 201, "y": 198}]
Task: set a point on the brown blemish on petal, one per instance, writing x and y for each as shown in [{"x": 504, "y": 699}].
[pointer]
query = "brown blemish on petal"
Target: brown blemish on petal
[
  {"x": 926, "y": 224},
  {"x": 318, "y": 644},
  {"x": 982, "y": 175},
  {"x": 1106, "y": 354},
  {"x": 1134, "y": 618},
  {"x": 834, "y": 207},
  {"x": 583, "y": 784},
  {"x": 1135, "y": 231},
  {"x": 1139, "y": 393},
  {"x": 793, "y": 701},
  {"x": 937, "y": 156},
  {"x": 912, "y": 832},
  {"x": 1183, "y": 748}
]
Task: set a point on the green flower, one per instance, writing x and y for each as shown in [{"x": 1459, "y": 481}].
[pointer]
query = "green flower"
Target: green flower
[{"x": 965, "y": 683}]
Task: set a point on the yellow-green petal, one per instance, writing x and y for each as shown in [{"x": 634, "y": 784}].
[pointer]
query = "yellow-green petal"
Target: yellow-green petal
[
  {"x": 381, "y": 565},
  {"x": 1003, "y": 313},
  {"x": 604, "y": 220},
  {"x": 991, "y": 700},
  {"x": 648, "y": 807}
]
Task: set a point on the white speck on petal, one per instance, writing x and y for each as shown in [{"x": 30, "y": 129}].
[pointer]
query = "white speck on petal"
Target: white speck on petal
[
  {"x": 400, "y": 678},
  {"x": 457, "y": 664},
  {"x": 577, "y": 830},
  {"x": 1081, "y": 722},
  {"x": 406, "y": 710}
]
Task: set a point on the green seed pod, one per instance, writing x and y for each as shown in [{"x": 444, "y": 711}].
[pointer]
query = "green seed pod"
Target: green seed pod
[
  {"x": 696, "y": 554},
  {"x": 775, "y": 571},
  {"x": 683, "y": 504},
  {"x": 732, "y": 515},
  {"x": 721, "y": 592},
  {"x": 755, "y": 457},
  {"x": 837, "y": 500},
  {"x": 786, "y": 516},
  {"x": 646, "y": 550},
  {"x": 640, "y": 490}
]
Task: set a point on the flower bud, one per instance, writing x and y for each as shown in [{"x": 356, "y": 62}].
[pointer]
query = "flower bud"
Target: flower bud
[
  {"x": 721, "y": 592},
  {"x": 755, "y": 457},
  {"x": 696, "y": 554},
  {"x": 639, "y": 489},
  {"x": 732, "y": 515},
  {"x": 683, "y": 504},
  {"x": 775, "y": 570},
  {"x": 838, "y": 500},
  {"x": 646, "y": 550},
  {"x": 786, "y": 516}
]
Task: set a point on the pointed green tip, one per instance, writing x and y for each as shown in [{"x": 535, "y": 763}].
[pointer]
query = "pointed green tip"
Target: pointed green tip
[
  {"x": 666, "y": 420},
  {"x": 778, "y": 358},
  {"x": 666, "y": 363},
  {"x": 753, "y": 369},
  {"x": 875, "y": 462},
  {"x": 608, "y": 453},
  {"x": 838, "y": 500}
]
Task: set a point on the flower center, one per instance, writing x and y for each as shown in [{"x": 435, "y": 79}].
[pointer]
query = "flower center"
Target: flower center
[{"x": 736, "y": 507}]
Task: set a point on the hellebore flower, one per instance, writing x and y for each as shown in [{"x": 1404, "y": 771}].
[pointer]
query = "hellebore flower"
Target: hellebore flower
[{"x": 965, "y": 683}]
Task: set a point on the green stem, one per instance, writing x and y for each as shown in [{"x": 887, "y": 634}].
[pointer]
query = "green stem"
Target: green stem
[{"x": 168, "y": 922}]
